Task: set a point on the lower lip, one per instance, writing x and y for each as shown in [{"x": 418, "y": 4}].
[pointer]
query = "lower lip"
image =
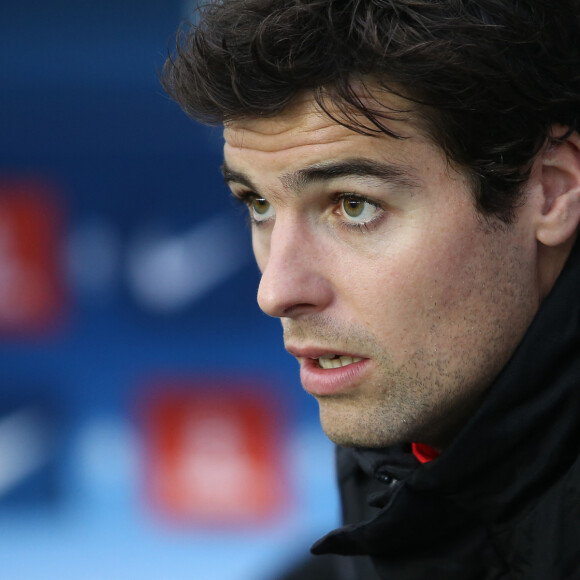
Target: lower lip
[{"x": 319, "y": 381}]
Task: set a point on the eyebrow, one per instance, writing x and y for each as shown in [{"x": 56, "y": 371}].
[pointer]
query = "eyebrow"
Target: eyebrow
[
  {"x": 355, "y": 167},
  {"x": 231, "y": 176},
  {"x": 402, "y": 176}
]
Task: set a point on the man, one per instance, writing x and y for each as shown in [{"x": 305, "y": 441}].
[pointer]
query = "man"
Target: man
[{"x": 412, "y": 173}]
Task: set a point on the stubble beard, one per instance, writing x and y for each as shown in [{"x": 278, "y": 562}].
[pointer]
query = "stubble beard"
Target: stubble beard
[{"x": 418, "y": 400}]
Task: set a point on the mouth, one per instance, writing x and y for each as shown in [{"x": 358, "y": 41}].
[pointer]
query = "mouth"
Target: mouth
[
  {"x": 335, "y": 361},
  {"x": 324, "y": 372},
  {"x": 324, "y": 359}
]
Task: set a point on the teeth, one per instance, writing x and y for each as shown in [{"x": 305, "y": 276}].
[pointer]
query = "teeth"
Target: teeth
[{"x": 335, "y": 362}]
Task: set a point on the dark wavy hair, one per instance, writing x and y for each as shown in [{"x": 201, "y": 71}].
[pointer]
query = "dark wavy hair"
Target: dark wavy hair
[{"x": 487, "y": 78}]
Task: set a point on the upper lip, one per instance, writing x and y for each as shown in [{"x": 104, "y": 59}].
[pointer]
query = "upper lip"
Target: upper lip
[{"x": 317, "y": 352}]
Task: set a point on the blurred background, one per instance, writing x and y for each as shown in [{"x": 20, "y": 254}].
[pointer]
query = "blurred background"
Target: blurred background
[{"x": 152, "y": 426}]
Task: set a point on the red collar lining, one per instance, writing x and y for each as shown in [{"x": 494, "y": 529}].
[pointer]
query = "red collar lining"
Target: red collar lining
[{"x": 424, "y": 453}]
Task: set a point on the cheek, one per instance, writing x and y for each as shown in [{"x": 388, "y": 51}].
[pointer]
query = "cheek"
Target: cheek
[
  {"x": 448, "y": 274},
  {"x": 418, "y": 289}
]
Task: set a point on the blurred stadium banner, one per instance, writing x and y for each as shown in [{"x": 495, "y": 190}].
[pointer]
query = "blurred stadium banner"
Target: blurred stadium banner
[
  {"x": 213, "y": 452},
  {"x": 31, "y": 293}
]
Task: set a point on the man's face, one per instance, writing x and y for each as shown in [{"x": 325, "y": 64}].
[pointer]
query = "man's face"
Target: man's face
[{"x": 400, "y": 302}]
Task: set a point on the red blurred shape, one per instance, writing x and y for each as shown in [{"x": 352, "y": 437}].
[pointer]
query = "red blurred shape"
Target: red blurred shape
[
  {"x": 31, "y": 297},
  {"x": 213, "y": 453}
]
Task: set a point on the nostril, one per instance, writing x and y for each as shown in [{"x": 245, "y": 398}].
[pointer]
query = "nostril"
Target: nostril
[
  {"x": 297, "y": 293},
  {"x": 296, "y": 309}
]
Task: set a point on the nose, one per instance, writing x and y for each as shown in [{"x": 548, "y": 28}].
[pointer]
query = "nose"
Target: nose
[{"x": 294, "y": 282}]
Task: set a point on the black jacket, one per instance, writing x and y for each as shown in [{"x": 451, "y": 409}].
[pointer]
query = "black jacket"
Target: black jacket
[{"x": 503, "y": 501}]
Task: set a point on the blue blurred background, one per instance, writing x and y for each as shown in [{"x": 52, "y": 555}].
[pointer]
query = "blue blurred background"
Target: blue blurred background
[{"x": 151, "y": 424}]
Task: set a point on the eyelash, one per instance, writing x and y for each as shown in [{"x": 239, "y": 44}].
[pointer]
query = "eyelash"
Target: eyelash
[
  {"x": 364, "y": 227},
  {"x": 247, "y": 197}
]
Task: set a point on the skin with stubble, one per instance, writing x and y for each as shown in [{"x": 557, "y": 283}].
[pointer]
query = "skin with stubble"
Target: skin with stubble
[{"x": 399, "y": 300}]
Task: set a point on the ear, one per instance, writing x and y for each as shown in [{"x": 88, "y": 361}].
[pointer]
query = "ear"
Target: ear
[{"x": 559, "y": 164}]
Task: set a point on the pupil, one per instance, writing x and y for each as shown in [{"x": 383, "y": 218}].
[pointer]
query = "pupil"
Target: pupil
[
  {"x": 353, "y": 207},
  {"x": 261, "y": 205}
]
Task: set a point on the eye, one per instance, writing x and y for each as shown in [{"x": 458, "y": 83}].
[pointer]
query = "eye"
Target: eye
[
  {"x": 261, "y": 209},
  {"x": 357, "y": 210},
  {"x": 260, "y": 205}
]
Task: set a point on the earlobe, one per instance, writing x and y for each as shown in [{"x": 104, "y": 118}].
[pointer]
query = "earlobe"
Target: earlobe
[{"x": 559, "y": 164}]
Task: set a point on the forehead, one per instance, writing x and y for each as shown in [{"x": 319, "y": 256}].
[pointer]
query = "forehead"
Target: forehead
[
  {"x": 300, "y": 124},
  {"x": 304, "y": 129}
]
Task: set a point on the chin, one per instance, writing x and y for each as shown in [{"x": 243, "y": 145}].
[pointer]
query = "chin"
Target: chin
[
  {"x": 348, "y": 428},
  {"x": 358, "y": 434}
]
